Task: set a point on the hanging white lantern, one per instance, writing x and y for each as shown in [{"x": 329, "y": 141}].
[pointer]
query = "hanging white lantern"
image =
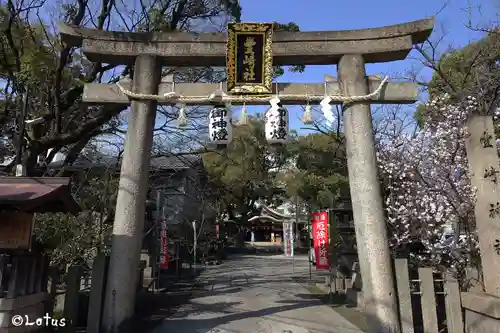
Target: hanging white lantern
[
  {"x": 277, "y": 124},
  {"x": 220, "y": 128}
]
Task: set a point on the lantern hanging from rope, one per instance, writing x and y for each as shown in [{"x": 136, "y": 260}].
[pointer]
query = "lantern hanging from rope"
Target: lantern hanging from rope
[
  {"x": 277, "y": 124},
  {"x": 220, "y": 125}
]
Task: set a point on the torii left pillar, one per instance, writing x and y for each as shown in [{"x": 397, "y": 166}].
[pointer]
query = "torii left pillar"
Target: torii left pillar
[{"x": 130, "y": 207}]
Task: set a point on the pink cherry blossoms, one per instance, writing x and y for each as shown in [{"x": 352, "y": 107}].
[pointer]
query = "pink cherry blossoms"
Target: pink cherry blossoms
[{"x": 428, "y": 190}]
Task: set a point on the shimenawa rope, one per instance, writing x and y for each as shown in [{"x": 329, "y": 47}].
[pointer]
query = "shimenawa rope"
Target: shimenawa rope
[{"x": 174, "y": 98}]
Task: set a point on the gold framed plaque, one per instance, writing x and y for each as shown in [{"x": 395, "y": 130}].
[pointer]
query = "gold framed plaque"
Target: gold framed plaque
[{"x": 249, "y": 59}]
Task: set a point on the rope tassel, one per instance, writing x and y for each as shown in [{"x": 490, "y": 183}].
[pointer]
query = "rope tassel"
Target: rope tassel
[
  {"x": 307, "y": 118},
  {"x": 182, "y": 119},
  {"x": 244, "y": 115}
]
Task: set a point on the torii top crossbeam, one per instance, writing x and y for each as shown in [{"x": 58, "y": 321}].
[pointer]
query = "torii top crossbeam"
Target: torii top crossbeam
[{"x": 383, "y": 44}]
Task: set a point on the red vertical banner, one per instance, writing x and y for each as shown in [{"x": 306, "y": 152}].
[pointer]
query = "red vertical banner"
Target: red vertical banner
[
  {"x": 164, "y": 246},
  {"x": 320, "y": 237}
]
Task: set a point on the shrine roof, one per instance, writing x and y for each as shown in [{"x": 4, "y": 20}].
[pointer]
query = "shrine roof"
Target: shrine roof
[{"x": 37, "y": 195}]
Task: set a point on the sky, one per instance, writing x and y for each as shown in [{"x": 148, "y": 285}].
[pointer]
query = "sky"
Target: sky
[{"x": 319, "y": 15}]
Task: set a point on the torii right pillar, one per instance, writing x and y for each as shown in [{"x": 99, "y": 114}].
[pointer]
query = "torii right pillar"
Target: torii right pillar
[{"x": 371, "y": 234}]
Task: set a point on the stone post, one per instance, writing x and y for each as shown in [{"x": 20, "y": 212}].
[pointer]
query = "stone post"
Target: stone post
[
  {"x": 483, "y": 166},
  {"x": 130, "y": 207},
  {"x": 97, "y": 291},
  {"x": 371, "y": 234}
]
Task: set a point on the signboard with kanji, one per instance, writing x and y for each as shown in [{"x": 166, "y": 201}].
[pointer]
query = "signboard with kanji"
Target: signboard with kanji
[
  {"x": 249, "y": 61},
  {"x": 320, "y": 236}
]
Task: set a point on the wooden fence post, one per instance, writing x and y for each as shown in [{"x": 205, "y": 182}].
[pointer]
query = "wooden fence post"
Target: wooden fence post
[
  {"x": 32, "y": 275},
  {"x": 97, "y": 291},
  {"x": 428, "y": 296},
  {"x": 404, "y": 295},
  {"x": 24, "y": 265},
  {"x": 73, "y": 278},
  {"x": 41, "y": 279},
  {"x": 453, "y": 303},
  {"x": 12, "y": 289},
  {"x": 51, "y": 275},
  {"x": 3, "y": 273}
]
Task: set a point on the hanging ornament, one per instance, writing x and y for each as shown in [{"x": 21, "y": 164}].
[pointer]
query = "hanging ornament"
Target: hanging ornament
[
  {"x": 325, "y": 104},
  {"x": 182, "y": 119},
  {"x": 277, "y": 124},
  {"x": 243, "y": 116},
  {"x": 307, "y": 117},
  {"x": 275, "y": 102},
  {"x": 228, "y": 104},
  {"x": 220, "y": 127},
  {"x": 327, "y": 110}
]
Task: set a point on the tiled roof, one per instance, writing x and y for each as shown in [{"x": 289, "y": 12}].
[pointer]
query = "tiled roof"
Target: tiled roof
[
  {"x": 173, "y": 162},
  {"x": 176, "y": 162}
]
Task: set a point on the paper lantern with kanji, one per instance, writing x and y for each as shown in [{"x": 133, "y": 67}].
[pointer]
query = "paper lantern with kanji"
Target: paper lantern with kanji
[
  {"x": 220, "y": 128},
  {"x": 276, "y": 126}
]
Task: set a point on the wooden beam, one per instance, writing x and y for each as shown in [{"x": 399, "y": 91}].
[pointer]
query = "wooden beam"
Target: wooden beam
[
  {"x": 392, "y": 93},
  {"x": 185, "y": 49}
]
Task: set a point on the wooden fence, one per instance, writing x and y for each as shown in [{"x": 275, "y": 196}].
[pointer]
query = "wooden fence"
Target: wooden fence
[
  {"x": 428, "y": 301},
  {"x": 23, "y": 287},
  {"x": 82, "y": 294},
  {"x": 22, "y": 275},
  {"x": 29, "y": 286}
]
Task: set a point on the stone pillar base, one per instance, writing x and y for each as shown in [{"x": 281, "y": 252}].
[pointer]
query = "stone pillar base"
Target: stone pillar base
[{"x": 482, "y": 312}]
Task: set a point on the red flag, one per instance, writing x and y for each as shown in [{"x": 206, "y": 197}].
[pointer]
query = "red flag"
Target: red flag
[{"x": 320, "y": 235}]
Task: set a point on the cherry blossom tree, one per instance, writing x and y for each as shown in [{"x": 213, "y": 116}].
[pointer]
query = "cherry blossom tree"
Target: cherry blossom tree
[{"x": 428, "y": 193}]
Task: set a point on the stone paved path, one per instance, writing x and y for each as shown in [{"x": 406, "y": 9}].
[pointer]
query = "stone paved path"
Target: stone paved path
[{"x": 254, "y": 295}]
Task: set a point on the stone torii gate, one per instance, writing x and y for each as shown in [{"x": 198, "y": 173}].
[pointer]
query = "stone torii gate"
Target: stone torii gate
[{"x": 349, "y": 50}]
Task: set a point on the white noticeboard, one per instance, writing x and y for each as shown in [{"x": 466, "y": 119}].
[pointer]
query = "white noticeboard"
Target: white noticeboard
[{"x": 288, "y": 239}]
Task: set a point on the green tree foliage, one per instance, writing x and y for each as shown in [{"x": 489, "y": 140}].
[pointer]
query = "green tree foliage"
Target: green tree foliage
[
  {"x": 33, "y": 58},
  {"x": 291, "y": 27},
  {"x": 248, "y": 171},
  {"x": 321, "y": 175},
  {"x": 245, "y": 171},
  {"x": 472, "y": 69},
  {"x": 71, "y": 239}
]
